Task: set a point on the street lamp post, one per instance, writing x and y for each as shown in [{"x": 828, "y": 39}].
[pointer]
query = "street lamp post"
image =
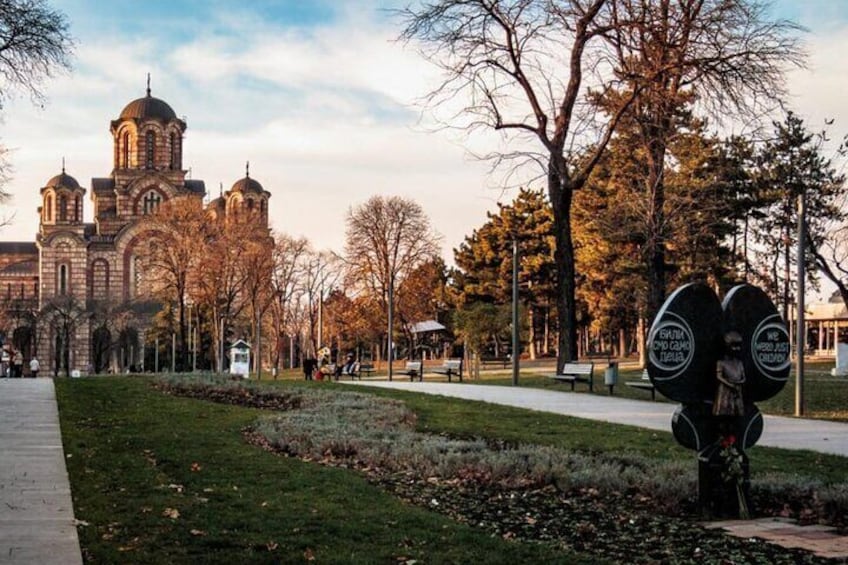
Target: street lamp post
[
  {"x": 801, "y": 339},
  {"x": 391, "y": 324},
  {"x": 190, "y": 334},
  {"x": 515, "y": 336}
]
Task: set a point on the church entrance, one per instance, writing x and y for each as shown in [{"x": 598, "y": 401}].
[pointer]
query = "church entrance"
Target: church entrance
[
  {"x": 101, "y": 349},
  {"x": 23, "y": 339}
]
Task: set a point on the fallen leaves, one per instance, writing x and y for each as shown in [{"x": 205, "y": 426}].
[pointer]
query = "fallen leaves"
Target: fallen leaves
[
  {"x": 196, "y": 467},
  {"x": 171, "y": 513}
]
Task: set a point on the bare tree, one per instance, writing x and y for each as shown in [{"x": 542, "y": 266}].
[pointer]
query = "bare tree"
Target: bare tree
[
  {"x": 727, "y": 59},
  {"x": 319, "y": 274},
  {"x": 258, "y": 267},
  {"x": 387, "y": 238},
  {"x": 34, "y": 44},
  {"x": 287, "y": 264},
  {"x": 171, "y": 254},
  {"x": 63, "y": 314},
  {"x": 532, "y": 68}
]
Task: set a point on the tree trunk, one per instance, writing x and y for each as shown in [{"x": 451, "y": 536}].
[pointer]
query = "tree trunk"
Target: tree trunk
[
  {"x": 622, "y": 343},
  {"x": 183, "y": 336},
  {"x": 560, "y": 195},
  {"x": 532, "y": 341},
  {"x": 656, "y": 223}
]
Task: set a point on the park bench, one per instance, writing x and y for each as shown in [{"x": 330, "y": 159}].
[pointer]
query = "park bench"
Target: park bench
[
  {"x": 366, "y": 368},
  {"x": 414, "y": 370},
  {"x": 573, "y": 372},
  {"x": 645, "y": 384},
  {"x": 451, "y": 367},
  {"x": 354, "y": 373},
  {"x": 496, "y": 362}
]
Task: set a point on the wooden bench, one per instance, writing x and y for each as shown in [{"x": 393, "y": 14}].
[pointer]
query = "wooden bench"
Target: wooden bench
[
  {"x": 645, "y": 384},
  {"x": 366, "y": 368},
  {"x": 451, "y": 367},
  {"x": 503, "y": 362},
  {"x": 574, "y": 372},
  {"x": 355, "y": 371},
  {"x": 413, "y": 370}
]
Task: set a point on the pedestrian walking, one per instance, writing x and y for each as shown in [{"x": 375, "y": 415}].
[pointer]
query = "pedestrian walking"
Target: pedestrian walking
[
  {"x": 18, "y": 364},
  {"x": 34, "y": 367}
]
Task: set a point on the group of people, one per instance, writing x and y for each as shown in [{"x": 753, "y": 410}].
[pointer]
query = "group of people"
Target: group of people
[
  {"x": 13, "y": 365},
  {"x": 323, "y": 368}
]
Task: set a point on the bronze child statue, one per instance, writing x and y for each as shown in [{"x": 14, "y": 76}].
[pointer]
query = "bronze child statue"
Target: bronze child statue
[{"x": 730, "y": 372}]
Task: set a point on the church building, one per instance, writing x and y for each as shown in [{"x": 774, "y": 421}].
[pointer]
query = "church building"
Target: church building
[{"x": 48, "y": 287}]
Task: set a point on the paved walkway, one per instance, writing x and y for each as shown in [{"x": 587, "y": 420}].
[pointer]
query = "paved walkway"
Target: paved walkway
[
  {"x": 36, "y": 513},
  {"x": 789, "y": 433}
]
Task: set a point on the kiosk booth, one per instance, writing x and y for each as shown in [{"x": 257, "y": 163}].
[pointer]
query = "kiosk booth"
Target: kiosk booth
[{"x": 240, "y": 359}]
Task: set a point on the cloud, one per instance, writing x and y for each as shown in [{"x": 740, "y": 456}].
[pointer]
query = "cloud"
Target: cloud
[{"x": 323, "y": 113}]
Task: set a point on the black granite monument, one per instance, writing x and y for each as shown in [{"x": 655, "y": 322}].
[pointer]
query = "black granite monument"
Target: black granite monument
[{"x": 717, "y": 359}]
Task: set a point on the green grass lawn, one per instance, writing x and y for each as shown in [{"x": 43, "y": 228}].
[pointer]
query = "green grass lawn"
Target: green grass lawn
[{"x": 160, "y": 479}]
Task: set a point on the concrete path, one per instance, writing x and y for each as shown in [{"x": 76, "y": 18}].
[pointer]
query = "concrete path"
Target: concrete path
[
  {"x": 36, "y": 513},
  {"x": 789, "y": 433}
]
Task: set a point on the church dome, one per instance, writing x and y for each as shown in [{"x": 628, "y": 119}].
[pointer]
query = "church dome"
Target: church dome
[
  {"x": 147, "y": 108},
  {"x": 247, "y": 184},
  {"x": 63, "y": 180}
]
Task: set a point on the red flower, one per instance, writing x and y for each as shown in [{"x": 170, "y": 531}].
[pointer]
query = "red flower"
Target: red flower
[{"x": 727, "y": 441}]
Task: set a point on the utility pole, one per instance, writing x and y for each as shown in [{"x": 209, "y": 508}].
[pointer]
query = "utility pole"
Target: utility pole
[
  {"x": 515, "y": 336},
  {"x": 801, "y": 339},
  {"x": 221, "y": 347},
  {"x": 321, "y": 318},
  {"x": 391, "y": 325}
]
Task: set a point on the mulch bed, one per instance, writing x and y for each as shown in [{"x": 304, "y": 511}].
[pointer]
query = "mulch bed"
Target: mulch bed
[{"x": 622, "y": 527}]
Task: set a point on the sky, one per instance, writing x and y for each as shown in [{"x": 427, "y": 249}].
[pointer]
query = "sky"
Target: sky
[{"x": 317, "y": 95}]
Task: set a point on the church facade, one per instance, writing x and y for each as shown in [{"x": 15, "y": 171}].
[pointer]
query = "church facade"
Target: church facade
[{"x": 51, "y": 286}]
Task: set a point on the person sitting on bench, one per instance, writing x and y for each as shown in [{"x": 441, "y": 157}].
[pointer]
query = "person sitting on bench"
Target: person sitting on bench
[{"x": 349, "y": 368}]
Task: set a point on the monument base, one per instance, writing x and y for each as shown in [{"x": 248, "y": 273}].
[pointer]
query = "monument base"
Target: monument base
[{"x": 720, "y": 493}]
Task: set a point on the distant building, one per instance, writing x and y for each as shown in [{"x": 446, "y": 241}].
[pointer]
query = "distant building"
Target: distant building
[
  {"x": 72, "y": 264},
  {"x": 827, "y": 324}
]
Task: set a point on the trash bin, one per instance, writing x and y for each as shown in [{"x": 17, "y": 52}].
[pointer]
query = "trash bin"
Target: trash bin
[{"x": 611, "y": 375}]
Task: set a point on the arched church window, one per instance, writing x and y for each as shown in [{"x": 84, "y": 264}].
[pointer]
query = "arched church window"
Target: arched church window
[
  {"x": 175, "y": 151},
  {"x": 48, "y": 208},
  {"x": 77, "y": 208},
  {"x": 63, "y": 208},
  {"x": 262, "y": 207},
  {"x": 125, "y": 149},
  {"x": 250, "y": 205},
  {"x": 63, "y": 279},
  {"x": 150, "y": 144},
  {"x": 151, "y": 202}
]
